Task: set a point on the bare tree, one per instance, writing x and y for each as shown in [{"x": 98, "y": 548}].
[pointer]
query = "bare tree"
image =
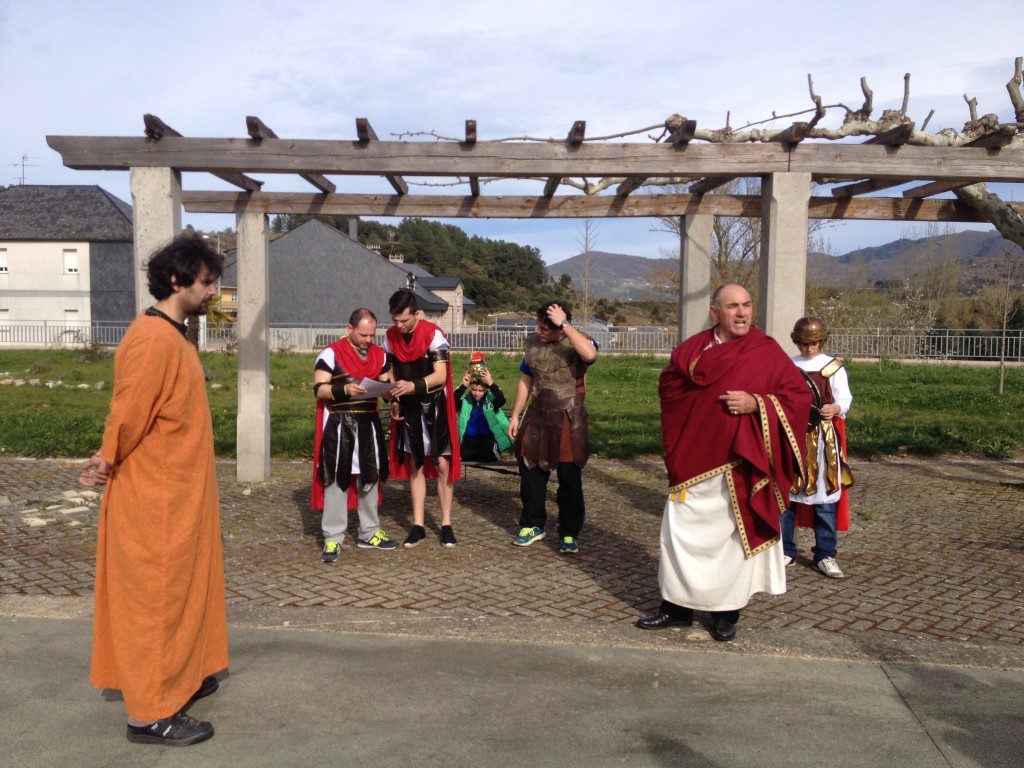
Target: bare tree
[
  {"x": 587, "y": 239},
  {"x": 995, "y": 306}
]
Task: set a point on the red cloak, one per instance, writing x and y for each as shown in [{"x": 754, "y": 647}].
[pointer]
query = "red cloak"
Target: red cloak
[
  {"x": 351, "y": 362},
  {"x": 759, "y": 452},
  {"x": 407, "y": 352}
]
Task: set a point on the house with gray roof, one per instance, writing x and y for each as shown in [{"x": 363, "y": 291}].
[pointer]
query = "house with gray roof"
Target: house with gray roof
[
  {"x": 318, "y": 275},
  {"x": 65, "y": 256}
]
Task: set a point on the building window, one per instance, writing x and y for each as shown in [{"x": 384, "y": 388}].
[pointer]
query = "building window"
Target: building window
[
  {"x": 70, "y": 261},
  {"x": 3, "y": 260}
]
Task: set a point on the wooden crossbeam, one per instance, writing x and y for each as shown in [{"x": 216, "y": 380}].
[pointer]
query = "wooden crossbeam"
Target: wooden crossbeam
[
  {"x": 705, "y": 185},
  {"x": 474, "y": 181},
  {"x": 259, "y": 130},
  {"x": 796, "y": 133},
  {"x": 573, "y": 140},
  {"x": 512, "y": 159},
  {"x": 864, "y": 187},
  {"x": 996, "y": 139},
  {"x": 683, "y": 135},
  {"x": 367, "y": 135},
  {"x": 156, "y": 129},
  {"x": 630, "y": 185},
  {"x": 575, "y": 206},
  {"x": 894, "y": 137}
]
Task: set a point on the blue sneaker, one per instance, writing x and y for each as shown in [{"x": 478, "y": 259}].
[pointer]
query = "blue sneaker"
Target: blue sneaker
[
  {"x": 569, "y": 546},
  {"x": 527, "y": 536}
]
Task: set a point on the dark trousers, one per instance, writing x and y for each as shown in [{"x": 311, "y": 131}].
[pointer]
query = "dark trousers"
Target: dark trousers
[
  {"x": 680, "y": 612},
  {"x": 533, "y": 490},
  {"x": 479, "y": 448}
]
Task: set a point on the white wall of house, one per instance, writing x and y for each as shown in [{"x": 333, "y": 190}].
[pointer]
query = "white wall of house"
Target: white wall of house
[
  {"x": 44, "y": 281},
  {"x": 451, "y": 321}
]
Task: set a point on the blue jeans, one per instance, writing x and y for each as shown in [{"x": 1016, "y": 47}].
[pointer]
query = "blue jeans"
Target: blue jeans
[{"x": 824, "y": 531}]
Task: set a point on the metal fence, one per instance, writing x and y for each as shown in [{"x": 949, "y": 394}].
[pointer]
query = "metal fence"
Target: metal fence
[{"x": 935, "y": 344}]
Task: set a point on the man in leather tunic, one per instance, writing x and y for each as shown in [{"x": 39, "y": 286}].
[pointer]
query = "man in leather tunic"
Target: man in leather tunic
[
  {"x": 553, "y": 433},
  {"x": 351, "y": 458}
]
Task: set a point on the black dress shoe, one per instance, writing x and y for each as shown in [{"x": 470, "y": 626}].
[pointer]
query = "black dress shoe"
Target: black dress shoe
[
  {"x": 663, "y": 620},
  {"x": 178, "y": 730},
  {"x": 210, "y": 685},
  {"x": 723, "y": 629}
]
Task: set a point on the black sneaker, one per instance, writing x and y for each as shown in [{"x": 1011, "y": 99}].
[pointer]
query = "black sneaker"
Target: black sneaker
[
  {"x": 447, "y": 536},
  {"x": 210, "y": 685},
  {"x": 416, "y": 535},
  {"x": 178, "y": 730}
]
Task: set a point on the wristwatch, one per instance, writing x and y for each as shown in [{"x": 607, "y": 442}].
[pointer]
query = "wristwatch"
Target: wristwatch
[{"x": 563, "y": 324}]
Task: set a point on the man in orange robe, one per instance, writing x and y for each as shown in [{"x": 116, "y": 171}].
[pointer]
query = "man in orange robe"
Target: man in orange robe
[{"x": 160, "y": 624}]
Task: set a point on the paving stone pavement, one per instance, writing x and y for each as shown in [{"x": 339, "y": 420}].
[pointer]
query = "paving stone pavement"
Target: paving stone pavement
[{"x": 934, "y": 550}]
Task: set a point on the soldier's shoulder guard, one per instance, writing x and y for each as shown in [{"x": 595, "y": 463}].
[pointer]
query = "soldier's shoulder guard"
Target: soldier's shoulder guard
[{"x": 830, "y": 369}]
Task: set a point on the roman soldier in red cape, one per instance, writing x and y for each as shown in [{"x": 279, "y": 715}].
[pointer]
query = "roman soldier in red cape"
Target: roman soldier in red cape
[
  {"x": 819, "y": 496},
  {"x": 733, "y": 408},
  {"x": 424, "y": 433},
  {"x": 349, "y": 460}
]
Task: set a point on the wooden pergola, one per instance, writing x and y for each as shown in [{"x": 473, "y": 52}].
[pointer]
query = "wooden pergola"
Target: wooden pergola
[{"x": 786, "y": 164}]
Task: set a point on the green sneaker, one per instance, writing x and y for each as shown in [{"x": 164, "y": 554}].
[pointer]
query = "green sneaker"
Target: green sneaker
[
  {"x": 331, "y": 553},
  {"x": 527, "y": 536},
  {"x": 569, "y": 546},
  {"x": 379, "y": 540}
]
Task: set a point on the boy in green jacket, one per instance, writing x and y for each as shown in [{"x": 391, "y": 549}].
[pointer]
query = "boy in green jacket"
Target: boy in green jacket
[{"x": 483, "y": 427}]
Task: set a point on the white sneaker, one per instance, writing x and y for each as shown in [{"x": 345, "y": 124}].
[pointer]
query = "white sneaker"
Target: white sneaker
[
  {"x": 788, "y": 561},
  {"x": 830, "y": 568}
]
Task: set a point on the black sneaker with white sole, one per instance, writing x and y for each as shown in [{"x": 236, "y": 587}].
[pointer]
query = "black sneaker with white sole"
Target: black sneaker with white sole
[
  {"x": 210, "y": 685},
  {"x": 447, "y": 536},
  {"x": 416, "y": 535},
  {"x": 178, "y": 730}
]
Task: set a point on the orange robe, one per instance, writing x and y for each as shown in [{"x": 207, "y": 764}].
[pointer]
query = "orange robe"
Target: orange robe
[{"x": 160, "y": 623}]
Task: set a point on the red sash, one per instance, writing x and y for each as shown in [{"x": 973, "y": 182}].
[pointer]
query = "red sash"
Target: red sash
[
  {"x": 805, "y": 513},
  {"x": 760, "y": 451},
  {"x": 348, "y": 360},
  {"x": 407, "y": 352}
]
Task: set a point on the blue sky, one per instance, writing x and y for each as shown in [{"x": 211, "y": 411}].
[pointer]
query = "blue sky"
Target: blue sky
[{"x": 310, "y": 69}]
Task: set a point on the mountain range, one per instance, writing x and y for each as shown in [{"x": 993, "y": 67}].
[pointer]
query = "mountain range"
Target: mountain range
[{"x": 977, "y": 257}]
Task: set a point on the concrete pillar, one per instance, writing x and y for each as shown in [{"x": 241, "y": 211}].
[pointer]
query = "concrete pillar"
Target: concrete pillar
[
  {"x": 694, "y": 273},
  {"x": 252, "y": 431},
  {"x": 784, "y": 198},
  {"x": 156, "y": 220},
  {"x": 353, "y": 228}
]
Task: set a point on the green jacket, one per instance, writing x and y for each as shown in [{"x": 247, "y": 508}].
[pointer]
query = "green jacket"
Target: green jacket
[{"x": 495, "y": 418}]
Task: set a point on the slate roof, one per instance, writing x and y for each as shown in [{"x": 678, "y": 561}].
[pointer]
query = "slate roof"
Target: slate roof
[
  {"x": 64, "y": 212},
  {"x": 440, "y": 283}
]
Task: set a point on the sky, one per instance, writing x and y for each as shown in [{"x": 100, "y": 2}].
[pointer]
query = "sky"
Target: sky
[{"x": 309, "y": 69}]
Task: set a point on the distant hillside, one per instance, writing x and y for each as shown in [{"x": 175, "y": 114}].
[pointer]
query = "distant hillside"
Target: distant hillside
[
  {"x": 978, "y": 255},
  {"x": 617, "y": 275}
]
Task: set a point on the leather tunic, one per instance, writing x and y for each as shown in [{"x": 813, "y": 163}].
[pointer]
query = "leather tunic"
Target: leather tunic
[
  {"x": 555, "y": 426},
  {"x": 356, "y": 419},
  {"x": 422, "y": 412}
]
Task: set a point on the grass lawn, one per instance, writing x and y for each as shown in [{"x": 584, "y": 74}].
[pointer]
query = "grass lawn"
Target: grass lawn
[{"x": 920, "y": 409}]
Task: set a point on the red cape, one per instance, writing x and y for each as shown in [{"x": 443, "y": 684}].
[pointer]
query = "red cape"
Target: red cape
[
  {"x": 407, "y": 352},
  {"x": 804, "y": 512},
  {"x": 760, "y": 452},
  {"x": 355, "y": 366}
]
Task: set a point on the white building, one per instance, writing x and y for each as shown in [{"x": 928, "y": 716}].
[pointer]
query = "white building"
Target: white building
[{"x": 65, "y": 257}]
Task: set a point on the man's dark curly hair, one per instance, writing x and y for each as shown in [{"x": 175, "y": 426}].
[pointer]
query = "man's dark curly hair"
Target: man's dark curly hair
[
  {"x": 542, "y": 313},
  {"x": 182, "y": 259}
]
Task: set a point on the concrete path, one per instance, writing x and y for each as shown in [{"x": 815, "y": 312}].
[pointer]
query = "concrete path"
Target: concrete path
[{"x": 297, "y": 697}]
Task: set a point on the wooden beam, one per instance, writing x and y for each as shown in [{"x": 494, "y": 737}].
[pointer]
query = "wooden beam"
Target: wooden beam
[
  {"x": 474, "y": 181},
  {"x": 934, "y": 188},
  {"x": 704, "y": 186},
  {"x": 894, "y": 137},
  {"x": 259, "y": 130},
  {"x": 796, "y": 133},
  {"x": 156, "y": 129},
  {"x": 367, "y": 135},
  {"x": 683, "y": 135},
  {"x": 573, "y": 140},
  {"x": 575, "y": 206},
  {"x": 629, "y": 185},
  {"x": 864, "y": 187},
  {"x": 996, "y": 139},
  {"x": 513, "y": 159}
]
